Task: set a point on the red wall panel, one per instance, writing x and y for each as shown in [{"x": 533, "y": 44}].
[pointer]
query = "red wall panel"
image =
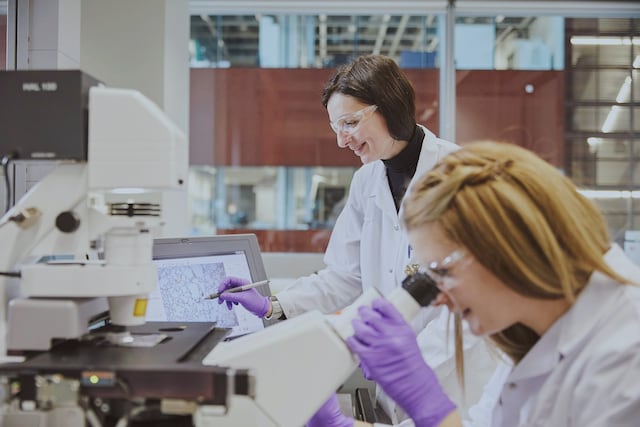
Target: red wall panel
[
  {"x": 260, "y": 117},
  {"x": 274, "y": 117},
  {"x": 522, "y": 107},
  {"x": 287, "y": 240},
  {"x": 3, "y": 42}
]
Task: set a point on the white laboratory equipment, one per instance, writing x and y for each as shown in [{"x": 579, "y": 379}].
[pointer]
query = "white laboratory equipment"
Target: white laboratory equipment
[{"x": 76, "y": 267}]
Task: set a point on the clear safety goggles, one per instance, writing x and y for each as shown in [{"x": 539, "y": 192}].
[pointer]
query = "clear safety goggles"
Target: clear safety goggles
[
  {"x": 348, "y": 123},
  {"x": 439, "y": 271}
]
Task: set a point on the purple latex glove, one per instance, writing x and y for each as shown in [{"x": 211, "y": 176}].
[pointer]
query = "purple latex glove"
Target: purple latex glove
[
  {"x": 389, "y": 352},
  {"x": 249, "y": 299},
  {"x": 330, "y": 415}
]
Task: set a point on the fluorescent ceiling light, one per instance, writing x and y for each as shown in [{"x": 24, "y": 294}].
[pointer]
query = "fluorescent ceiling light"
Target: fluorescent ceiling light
[
  {"x": 625, "y": 90},
  {"x": 607, "y": 126},
  {"x": 623, "y": 96},
  {"x": 594, "y": 141},
  {"x": 604, "y": 41},
  {"x": 610, "y": 194}
]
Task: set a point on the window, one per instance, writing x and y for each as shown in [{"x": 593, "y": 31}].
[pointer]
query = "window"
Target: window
[
  {"x": 271, "y": 168},
  {"x": 603, "y": 115},
  {"x": 562, "y": 86}
]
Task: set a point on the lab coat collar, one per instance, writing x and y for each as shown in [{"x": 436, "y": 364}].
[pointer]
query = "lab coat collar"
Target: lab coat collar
[
  {"x": 594, "y": 301},
  {"x": 382, "y": 192},
  {"x": 575, "y": 326},
  {"x": 429, "y": 155}
]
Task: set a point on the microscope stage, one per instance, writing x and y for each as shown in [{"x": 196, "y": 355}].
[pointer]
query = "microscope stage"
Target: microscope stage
[{"x": 171, "y": 369}]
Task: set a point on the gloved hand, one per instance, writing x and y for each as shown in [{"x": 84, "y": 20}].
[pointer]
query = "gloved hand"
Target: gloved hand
[
  {"x": 330, "y": 415},
  {"x": 389, "y": 352},
  {"x": 249, "y": 299}
]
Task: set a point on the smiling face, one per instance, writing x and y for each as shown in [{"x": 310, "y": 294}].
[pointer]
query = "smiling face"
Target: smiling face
[
  {"x": 367, "y": 134},
  {"x": 468, "y": 288}
]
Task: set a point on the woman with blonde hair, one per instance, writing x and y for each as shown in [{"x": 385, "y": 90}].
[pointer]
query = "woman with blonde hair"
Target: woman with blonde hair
[{"x": 525, "y": 259}]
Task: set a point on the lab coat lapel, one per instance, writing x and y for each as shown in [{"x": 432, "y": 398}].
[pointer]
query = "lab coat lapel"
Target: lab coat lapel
[
  {"x": 594, "y": 301},
  {"x": 561, "y": 344},
  {"x": 430, "y": 154},
  {"x": 542, "y": 357},
  {"x": 568, "y": 333},
  {"x": 382, "y": 192}
]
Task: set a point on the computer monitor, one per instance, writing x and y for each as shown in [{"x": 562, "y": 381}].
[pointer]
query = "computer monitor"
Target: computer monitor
[{"x": 189, "y": 269}]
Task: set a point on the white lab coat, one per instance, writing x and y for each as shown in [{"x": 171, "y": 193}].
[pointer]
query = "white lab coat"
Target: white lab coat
[
  {"x": 584, "y": 371},
  {"x": 368, "y": 248}
]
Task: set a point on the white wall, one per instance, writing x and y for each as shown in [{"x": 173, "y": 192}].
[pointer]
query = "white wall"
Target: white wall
[{"x": 143, "y": 45}]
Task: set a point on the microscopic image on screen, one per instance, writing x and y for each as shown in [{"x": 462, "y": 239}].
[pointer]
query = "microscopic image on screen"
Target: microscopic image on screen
[
  {"x": 185, "y": 287},
  {"x": 185, "y": 282}
]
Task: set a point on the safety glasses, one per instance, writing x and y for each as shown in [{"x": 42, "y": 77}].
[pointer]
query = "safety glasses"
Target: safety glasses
[
  {"x": 439, "y": 271},
  {"x": 348, "y": 123}
]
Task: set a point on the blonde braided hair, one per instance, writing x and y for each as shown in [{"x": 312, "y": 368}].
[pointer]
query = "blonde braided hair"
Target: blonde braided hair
[{"x": 520, "y": 218}]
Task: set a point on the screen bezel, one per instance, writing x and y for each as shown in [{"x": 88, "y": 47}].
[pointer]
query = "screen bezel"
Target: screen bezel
[{"x": 202, "y": 246}]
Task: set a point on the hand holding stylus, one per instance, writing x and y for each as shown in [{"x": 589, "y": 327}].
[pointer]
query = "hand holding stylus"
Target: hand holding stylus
[
  {"x": 238, "y": 289},
  {"x": 234, "y": 290}
]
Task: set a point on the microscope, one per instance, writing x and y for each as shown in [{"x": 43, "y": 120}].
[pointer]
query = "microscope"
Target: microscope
[
  {"x": 76, "y": 260},
  {"x": 76, "y": 267},
  {"x": 83, "y": 236}
]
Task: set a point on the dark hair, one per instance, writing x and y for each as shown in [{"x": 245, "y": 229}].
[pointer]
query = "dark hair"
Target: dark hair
[{"x": 377, "y": 80}]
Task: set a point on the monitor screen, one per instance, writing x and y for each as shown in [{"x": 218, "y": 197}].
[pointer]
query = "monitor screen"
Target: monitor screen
[{"x": 190, "y": 269}]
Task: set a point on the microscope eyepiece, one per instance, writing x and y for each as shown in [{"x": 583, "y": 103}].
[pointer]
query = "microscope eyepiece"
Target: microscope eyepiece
[{"x": 421, "y": 287}]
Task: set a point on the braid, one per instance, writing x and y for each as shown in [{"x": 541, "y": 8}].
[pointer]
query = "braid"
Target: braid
[
  {"x": 494, "y": 200},
  {"x": 454, "y": 173},
  {"x": 481, "y": 174}
]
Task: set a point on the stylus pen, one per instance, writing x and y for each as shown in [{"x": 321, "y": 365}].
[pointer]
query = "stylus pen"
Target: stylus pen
[{"x": 238, "y": 289}]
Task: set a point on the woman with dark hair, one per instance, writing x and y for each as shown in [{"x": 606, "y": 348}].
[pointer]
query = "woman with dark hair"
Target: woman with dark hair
[{"x": 371, "y": 108}]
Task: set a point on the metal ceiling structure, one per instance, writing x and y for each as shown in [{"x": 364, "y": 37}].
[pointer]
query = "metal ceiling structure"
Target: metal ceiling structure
[{"x": 234, "y": 40}]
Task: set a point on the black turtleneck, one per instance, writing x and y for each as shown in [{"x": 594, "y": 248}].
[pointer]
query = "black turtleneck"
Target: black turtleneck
[{"x": 402, "y": 167}]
